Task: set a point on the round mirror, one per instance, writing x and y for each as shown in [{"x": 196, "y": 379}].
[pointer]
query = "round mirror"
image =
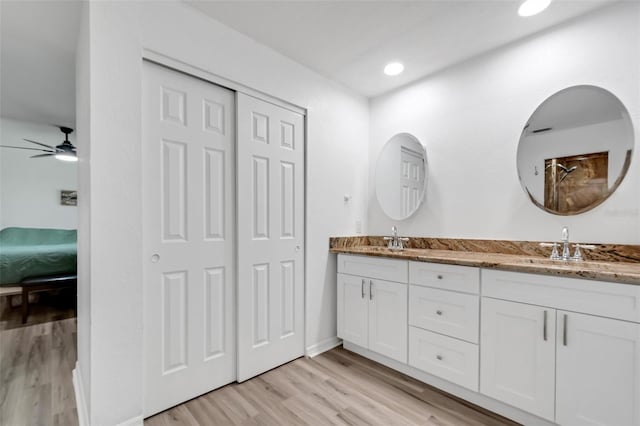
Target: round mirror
[
  {"x": 575, "y": 150},
  {"x": 401, "y": 176}
]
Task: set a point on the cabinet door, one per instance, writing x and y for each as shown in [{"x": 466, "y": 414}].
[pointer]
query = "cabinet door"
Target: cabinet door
[
  {"x": 517, "y": 361},
  {"x": 598, "y": 371},
  {"x": 388, "y": 319},
  {"x": 353, "y": 309}
]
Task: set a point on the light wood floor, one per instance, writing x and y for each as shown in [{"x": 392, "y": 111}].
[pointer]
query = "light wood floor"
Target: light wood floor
[
  {"x": 335, "y": 388},
  {"x": 36, "y": 360}
]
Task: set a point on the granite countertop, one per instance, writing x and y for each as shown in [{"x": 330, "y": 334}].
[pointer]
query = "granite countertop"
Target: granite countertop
[{"x": 620, "y": 272}]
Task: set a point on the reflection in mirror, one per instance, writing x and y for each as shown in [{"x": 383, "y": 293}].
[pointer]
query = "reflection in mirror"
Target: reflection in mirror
[
  {"x": 575, "y": 150},
  {"x": 401, "y": 176}
]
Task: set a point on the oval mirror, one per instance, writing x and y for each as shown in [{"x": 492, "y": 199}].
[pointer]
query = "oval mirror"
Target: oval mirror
[
  {"x": 401, "y": 176},
  {"x": 575, "y": 150}
]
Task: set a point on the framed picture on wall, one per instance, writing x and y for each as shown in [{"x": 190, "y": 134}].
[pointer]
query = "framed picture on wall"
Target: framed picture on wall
[{"x": 68, "y": 198}]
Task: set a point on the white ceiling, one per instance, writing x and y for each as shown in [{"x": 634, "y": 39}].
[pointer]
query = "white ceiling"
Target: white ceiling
[
  {"x": 37, "y": 60},
  {"x": 351, "y": 41}
]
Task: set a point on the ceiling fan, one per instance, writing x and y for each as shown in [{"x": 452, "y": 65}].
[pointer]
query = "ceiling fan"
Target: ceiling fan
[{"x": 65, "y": 151}]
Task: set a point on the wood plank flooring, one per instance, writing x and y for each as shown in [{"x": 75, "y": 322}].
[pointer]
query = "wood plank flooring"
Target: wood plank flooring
[
  {"x": 335, "y": 388},
  {"x": 36, "y": 360}
]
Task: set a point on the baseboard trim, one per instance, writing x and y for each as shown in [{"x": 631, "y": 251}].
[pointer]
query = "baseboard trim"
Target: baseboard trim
[
  {"x": 323, "y": 346},
  {"x": 136, "y": 421},
  {"x": 81, "y": 402}
]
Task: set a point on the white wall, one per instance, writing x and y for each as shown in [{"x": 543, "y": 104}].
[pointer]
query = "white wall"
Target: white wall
[
  {"x": 83, "y": 106},
  {"x": 470, "y": 117},
  {"x": 30, "y": 187},
  {"x": 337, "y": 137}
]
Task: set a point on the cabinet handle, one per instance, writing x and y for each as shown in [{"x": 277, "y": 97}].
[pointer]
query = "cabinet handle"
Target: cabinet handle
[
  {"x": 439, "y": 312},
  {"x": 544, "y": 327},
  {"x": 362, "y": 288},
  {"x": 370, "y": 290},
  {"x": 564, "y": 330}
]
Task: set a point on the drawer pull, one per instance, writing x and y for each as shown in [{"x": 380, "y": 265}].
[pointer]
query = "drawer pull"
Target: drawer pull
[
  {"x": 362, "y": 288},
  {"x": 440, "y": 277},
  {"x": 439, "y": 312},
  {"x": 439, "y": 357}
]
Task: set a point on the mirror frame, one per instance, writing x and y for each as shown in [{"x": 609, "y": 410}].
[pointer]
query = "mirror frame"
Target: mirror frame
[
  {"x": 619, "y": 179},
  {"x": 426, "y": 174}
]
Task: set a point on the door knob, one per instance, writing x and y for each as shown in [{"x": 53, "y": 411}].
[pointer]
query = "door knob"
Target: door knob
[
  {"x": 297, "y": 248},
  {"x": 155, "y": 258}
]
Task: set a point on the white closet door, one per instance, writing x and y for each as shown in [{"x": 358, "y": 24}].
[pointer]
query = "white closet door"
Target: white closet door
[
  {"x": 270, "y": 236},
  {"x": 188, "y": 236}
]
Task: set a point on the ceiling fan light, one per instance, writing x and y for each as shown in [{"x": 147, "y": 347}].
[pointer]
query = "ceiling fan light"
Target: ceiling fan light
[{"x": 66, "y": 156}]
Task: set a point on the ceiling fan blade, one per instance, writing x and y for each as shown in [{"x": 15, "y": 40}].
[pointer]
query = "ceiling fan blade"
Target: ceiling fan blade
[
  {"x": 42, "y": 155},
  {"x": 24, "y": 147},
  {"x": 39, "y": 143}
]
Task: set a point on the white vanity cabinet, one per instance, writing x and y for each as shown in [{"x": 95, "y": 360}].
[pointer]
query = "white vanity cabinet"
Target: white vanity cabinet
[
  {"x": 597, "y": 371},
  {"x": 372, "y": 309},
  {"x": 540, "y": 357},
  {"x": 539, "y": 349},
  {"x": 518, "y": 355},
  {"x": 444, "y": 321},
  {"x": 353, "y": 310}
]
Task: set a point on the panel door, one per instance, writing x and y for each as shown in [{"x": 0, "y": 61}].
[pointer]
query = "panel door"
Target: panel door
[
  {"x": 598, "y": 371},
  {"x": 517, "y": 361},
  {"x": 188, "y": 237},
  {"x": 353, "y": 309},
  {"x": 411, "y": 166},
  {"x": 388, "y": 319},
  {"x": 270, "y": 236}
]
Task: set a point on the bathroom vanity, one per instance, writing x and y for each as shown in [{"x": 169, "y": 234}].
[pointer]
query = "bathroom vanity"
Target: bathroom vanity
[{"x": 536, "y": 340}]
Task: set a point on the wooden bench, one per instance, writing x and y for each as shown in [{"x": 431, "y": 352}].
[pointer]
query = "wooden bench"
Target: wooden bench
[{"x": 44, "y": 283}]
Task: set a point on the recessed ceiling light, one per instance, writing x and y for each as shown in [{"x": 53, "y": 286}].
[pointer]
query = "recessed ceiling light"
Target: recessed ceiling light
[
  {"x": 533, "y": 7},
  {"x": 394, "y": 68}
]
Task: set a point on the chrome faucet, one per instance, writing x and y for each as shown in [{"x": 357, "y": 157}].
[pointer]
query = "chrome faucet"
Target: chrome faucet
[
  {"x": 566, "y": 252},
  {"x": 566, "y": 255},
  {"x": 395, "y": 242}
]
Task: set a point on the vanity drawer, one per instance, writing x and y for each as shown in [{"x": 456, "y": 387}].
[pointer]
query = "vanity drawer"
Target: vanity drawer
[
  {"x": 374, "y": 267},
  {"x": 445, "y": 312},
  {"x": 445, "y": 357},
  {"x": 448, "y": 277},
  {"x": 612, "y": 300}
]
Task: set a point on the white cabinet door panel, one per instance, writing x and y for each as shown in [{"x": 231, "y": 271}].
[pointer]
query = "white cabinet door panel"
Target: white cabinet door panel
[
  {"x": 517, "y": 361},
  {"x": 445, "y": 357},
  {"x": 445, "y": 312},
  {"x": 388, "y": 319},
  {"x": 353, "y": 309},
  {"x": 598, "y": 371}
]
